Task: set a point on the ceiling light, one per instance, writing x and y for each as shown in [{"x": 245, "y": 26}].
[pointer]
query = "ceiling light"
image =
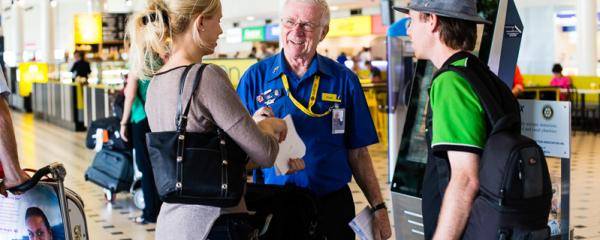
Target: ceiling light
[
  {"x": 250, "y": 18},
  {"x": 53, "y": 3},
  {"x": 129, "y": 3},
  {"x": 334, "y": 8}
]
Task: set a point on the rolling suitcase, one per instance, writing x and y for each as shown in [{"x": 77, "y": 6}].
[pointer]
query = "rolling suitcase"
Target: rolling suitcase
[
  {"x": 111, "y": 170},
  {"x": 46, "y": 199}
]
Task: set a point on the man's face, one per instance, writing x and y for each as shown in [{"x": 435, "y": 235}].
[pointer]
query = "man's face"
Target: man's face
[
  {"x": 420, "y": 32},
  {"x": 302, "y": 29},
  {"x": 37, "y": 229}
]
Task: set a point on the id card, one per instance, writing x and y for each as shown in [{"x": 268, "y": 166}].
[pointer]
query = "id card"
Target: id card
[{"x": 338, "y": 121}]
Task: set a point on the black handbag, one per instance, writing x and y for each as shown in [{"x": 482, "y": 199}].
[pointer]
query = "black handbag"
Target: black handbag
[{"x": 196, "y": 168}]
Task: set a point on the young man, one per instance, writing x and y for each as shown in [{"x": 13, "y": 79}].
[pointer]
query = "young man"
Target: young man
[
  {"x": 330, "y": 114},
  {"x": 443, "y": 31}
]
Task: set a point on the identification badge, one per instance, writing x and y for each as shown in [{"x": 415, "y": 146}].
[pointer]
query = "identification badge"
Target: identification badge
[
  {"x": 330, "y": 97},
  {"x": 338, "y": 121}
]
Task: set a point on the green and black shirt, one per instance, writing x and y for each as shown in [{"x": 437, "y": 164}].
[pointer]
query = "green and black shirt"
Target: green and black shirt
[{"x": 459, "y": 121}]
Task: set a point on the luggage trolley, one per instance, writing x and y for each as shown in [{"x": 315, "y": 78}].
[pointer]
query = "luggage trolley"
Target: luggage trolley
[{"x": 62, "y": 207}]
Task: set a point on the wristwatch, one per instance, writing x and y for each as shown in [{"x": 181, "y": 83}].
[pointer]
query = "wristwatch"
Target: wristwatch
[{"x": 378, "y": 207}]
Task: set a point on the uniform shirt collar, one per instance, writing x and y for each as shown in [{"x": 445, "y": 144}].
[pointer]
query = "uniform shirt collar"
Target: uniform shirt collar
[{"x": 280, "y": 66}]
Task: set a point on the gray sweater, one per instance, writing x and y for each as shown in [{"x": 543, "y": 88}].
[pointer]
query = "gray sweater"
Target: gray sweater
[{"x": 215, "y": 102}]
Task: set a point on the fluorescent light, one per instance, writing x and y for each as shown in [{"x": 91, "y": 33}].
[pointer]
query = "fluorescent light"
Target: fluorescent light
[
  {"x": 129, "y": 3},
  {"x": 250, "y": 18},
  {"x": 53, "y": 3},
  {"x": 334, "y": 8}
]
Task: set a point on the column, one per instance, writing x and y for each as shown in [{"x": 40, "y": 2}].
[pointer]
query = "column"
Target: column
[
  {"x": 586, "y": 37},
  {"x": 17, "y": 32},
  {"x": 47, "y": 30}
]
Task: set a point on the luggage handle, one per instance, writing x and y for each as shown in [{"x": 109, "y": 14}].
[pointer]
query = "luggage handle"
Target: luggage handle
[{"x": 56, "y": 169}]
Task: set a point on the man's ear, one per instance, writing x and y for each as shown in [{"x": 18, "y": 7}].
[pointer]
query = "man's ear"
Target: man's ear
[
  {"x": 433, "y": 23},
  {"x": 324, "y": 33}
]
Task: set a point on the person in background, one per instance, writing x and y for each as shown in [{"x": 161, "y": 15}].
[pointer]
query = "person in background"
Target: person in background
[
  {"x": 375, "y": 72},
  {"x": 134, "y": 114},
  {"x": 330, "y": 113},
  {"x": 11, "y": 175},
  {"x": 342, "y": 58},
  {"x": 236, "y": 55},
  {"x": 81, "y": 67},
  {"x": 518, "y": 86},
  {"x": 559, "y": 80},
  {"x": 252, "y": 53},
  {"x": 186, "y": 31},
  {"x": 38, "y": 226}
]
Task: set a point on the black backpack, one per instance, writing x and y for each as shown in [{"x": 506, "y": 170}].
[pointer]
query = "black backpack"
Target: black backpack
[{"x": 515, "y": 191}]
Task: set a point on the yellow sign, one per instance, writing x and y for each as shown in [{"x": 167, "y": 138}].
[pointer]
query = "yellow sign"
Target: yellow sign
[
  {"x": 234, "y": 68},
  {"x": 30, "y": 72},
  {"x": 88, "y": 28},
  {"x": 350, "y": 27}
]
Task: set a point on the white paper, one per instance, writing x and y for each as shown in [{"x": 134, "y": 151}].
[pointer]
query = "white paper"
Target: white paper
[
  {"x": 362, "y": 224},
  {"x": 292, "y": 148}
]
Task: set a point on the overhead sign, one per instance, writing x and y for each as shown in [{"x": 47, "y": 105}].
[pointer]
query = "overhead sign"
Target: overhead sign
[
  {"x": 88, "y": 28},
  {"x": 549, "y": 124},
  {"x": 272, "y": 32},
  {"x": 350, "y": 27},
  {"x": 233, "y": 35},
  {"x": 254, "y": 34}
]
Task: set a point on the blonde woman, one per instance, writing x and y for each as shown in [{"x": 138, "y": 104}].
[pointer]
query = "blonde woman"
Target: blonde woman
[{"x": 187, "y": 30}]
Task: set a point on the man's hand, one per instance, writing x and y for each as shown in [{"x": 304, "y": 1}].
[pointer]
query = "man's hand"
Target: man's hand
[
  {"x": 381, "y": 225},
  {"x": 13, "y": 180},
  {"x": 295, "y": 166}
]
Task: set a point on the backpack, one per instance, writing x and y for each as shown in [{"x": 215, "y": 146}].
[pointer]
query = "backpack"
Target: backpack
[{"x": 515, "y": 191}]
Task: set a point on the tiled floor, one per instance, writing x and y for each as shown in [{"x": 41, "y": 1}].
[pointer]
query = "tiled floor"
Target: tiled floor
[{"x": 41, "y": 143}]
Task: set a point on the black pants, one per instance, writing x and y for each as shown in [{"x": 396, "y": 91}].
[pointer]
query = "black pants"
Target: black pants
[
  {"x": 231, "y": 227},
  {"x": 151, "y": 200},
  {"x": 336, "y": 210}
]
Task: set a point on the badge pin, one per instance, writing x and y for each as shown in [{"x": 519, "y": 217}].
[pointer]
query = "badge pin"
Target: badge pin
[
  {"x": 275, "y": 69},
  {"x": 277, "y": 93},
  {"x": 260, "y": 99}
]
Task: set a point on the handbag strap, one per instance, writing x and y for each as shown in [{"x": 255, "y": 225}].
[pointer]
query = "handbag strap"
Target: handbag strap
[{"x": 182, "y": 116}]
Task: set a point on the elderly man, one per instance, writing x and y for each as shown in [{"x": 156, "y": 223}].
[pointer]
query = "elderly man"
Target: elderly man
[
  {"x": 13, "y": 175},
  {"x": 329, "y": 110}
]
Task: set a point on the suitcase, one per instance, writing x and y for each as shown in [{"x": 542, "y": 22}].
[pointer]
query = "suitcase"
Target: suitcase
[
  {"x": 111, "y": 170},
  {"x": 59, "y": 206},
  {"x": 111, "y": 134}
]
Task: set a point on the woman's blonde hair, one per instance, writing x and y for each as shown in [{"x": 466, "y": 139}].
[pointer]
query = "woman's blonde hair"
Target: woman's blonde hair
[{"x": 151, "y": 30}]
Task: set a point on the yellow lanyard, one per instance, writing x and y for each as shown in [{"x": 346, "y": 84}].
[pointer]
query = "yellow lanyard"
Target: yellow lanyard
[{"x": 313, "y": 97}]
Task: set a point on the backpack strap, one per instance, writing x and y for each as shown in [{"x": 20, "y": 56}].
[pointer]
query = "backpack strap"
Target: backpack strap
[{"x": 490, "y": 94}]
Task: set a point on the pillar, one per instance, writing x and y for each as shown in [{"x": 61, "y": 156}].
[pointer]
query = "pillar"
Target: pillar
[
  {"x": 47, "y": 30},
  {"x": 586, "y": 37}
]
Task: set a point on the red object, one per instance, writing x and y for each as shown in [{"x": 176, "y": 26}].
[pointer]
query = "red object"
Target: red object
[
  {"x": 518, "y": 77},
  {"x": 377, "y": 27},
  {"x": 1, "y": 172}
]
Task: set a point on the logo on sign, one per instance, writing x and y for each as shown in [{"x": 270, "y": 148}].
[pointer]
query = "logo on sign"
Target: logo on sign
[
  {"x": 547, "y": 112},
  {"x": 512, "y": 31}
]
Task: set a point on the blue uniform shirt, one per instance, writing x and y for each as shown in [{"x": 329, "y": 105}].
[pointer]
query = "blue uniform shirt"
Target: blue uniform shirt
[{"x": 327, "y": 166}]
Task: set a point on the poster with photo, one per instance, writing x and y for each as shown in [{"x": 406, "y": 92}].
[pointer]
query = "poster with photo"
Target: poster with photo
[{"x": 32, "y": 215}]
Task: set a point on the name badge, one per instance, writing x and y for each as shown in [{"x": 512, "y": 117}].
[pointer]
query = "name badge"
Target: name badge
[
  {"x": 330, "y": 97},
  {"x": 338, "y": 121}
]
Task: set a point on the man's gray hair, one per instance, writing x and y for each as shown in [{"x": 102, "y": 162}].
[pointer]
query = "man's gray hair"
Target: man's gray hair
[{"x": 325, "y": 18}]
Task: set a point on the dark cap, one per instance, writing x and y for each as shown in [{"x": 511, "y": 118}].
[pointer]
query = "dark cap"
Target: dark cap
[{"x": 459, "y": 9}]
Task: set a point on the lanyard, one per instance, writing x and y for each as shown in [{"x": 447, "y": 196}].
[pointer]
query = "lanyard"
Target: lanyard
[{"x": 313, "y": 97}]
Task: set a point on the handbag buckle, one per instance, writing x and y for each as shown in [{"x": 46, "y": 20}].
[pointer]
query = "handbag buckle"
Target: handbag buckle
[
  {"x": 181, "y": 137},
  {"x": 178, "y": 185},
  {"x": 224, "y": 186},
  {"x": 179, "y": 159},
  {"x": 222, "y": 142},
  {"x": 225, "y": 162}
]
